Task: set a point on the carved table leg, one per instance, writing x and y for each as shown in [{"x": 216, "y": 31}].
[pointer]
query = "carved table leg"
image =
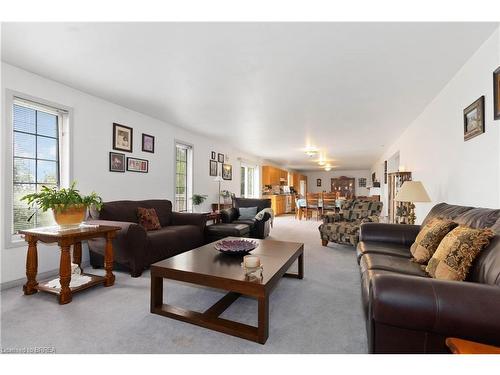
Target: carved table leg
[
  {"x": 31, "y": 267},
  {"x": 77, "y": 254},
  {"x": 108, "y": 260},
  {"x": 65, "y": 275}
]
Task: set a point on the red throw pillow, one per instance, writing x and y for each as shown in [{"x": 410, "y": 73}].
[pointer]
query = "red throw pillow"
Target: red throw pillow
[{"x": 148, "y": 218}]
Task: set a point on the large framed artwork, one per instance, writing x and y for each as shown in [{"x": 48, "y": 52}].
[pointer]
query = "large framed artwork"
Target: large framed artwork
[
  {"x": 116, "y": 162},
  {"x": 137, "y": 165},
  {"x": 122, "y": 137},
  {"x": 496, "y": 94},
  {"x": 212, "y": 168},
  {"x": 474, "y": 119},
  {"x": 227, "y": 172}
]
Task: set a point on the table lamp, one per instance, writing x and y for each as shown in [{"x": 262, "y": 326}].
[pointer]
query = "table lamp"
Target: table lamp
[
  {"x": 411, "y": 192},
  {"x": 219, "y": 180}
]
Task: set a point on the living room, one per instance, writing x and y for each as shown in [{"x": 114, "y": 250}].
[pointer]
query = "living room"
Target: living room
[{"x": 287, "y": 187}]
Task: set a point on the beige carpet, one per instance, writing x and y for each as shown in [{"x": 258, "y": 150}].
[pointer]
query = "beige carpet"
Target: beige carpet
[{"x": 319, "y": 314}]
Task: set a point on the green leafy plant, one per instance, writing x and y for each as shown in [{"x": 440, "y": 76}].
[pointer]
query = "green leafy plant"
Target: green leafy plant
[
  {"x": 198, "y": 199},
  {"x": 61, "y": 199},
  {"x": 225, "y": 193}
]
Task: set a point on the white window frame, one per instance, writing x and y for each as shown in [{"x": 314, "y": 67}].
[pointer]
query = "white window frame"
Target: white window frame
[
  {"x": 256, "y": 180},
  {"x": 189, "y": 174},
  {"x": 65, "y": 119}
]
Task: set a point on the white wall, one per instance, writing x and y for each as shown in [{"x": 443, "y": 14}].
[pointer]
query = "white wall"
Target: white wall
[
  {"x": 433, "y": 149},
  {"x": 327, "y": 176},
  {"x": 92, "y": 141}
]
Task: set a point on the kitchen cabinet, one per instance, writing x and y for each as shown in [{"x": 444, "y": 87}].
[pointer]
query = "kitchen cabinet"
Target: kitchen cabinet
[{"x": 281, "y": 203}]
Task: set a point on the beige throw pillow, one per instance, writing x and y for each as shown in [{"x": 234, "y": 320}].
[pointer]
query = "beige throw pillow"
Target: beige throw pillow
[
  {"x": 429, "y": 238},
  {"x": 456, "y": 252}
]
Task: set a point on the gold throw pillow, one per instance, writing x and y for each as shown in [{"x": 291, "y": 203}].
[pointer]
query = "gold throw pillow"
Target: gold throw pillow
[
  {"x": 429, "y": 238},
  {"x": 456, "y": 252}
]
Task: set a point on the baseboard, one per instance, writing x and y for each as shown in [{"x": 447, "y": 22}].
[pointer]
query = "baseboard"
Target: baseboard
[{"x": 40, "y": 276}]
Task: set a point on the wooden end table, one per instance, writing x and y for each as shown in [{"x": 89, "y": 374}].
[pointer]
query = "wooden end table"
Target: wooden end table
[
  {"x": 208, "y": 267},
  {"x": 66, "y": 238},
  {"x": 460, "y": 346}
]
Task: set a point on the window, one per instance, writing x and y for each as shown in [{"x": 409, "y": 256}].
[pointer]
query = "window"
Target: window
[
  {"x": 36, "y": 133},
  {"x": 249, "y": 181},
  {"x": 183, "y": 176}
]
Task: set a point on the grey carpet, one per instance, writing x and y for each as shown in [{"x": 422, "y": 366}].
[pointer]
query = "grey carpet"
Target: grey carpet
[{"x": 320, "y": 314}]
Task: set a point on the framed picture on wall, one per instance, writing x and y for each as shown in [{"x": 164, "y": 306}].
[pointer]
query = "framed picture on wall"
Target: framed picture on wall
[
  {"x": 122, "y": 137},
  {"x": 212, "y": 168},
  {"x": 220, "y": 158},
  {"x": 116, "y": 162},
  {"x": 362, "y": 182},
  {"x": 496, "y": 94},
  {"x": 474, "y": 119},
  {"x": 213, "y": 155},
  {"x": 137, "y": 165},
  {"x": 148, "y": 143},
  {"x": 318, "y": 182},
  {"x": 227, "y": 172}
]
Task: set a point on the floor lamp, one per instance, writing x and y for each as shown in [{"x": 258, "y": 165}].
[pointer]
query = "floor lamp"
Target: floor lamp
[
  {"x": 219, "y": 180},
  {"x": 410, "y": 192}
]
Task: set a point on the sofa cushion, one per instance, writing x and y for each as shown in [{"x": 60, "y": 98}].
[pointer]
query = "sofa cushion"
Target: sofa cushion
[
  {"x": 456, "y": 252},
  {"x": 173, "y": 240},
  {"x": 247, "y": 213},
  {"x": 148, "y": 218},
  {"x": 387, "y": 248},
  {"x": 249, "y": 222},
  {"x": 429, "y": 238},
  {"x": 127, "y": 211},
  {"x": 394, "y": 264},
  {"x": 445, "y": 210}
]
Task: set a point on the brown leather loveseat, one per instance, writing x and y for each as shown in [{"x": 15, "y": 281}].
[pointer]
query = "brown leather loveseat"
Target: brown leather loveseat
[
  {"x": 135, "y": 248},
  {"x": 409, "y": 312}
]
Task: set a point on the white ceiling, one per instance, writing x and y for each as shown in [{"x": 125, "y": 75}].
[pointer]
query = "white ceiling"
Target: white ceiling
[{"x": 267, "y": 88}]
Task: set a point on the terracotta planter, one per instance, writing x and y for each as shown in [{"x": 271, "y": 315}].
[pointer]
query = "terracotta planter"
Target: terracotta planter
[{"x": 72, "y": 216}]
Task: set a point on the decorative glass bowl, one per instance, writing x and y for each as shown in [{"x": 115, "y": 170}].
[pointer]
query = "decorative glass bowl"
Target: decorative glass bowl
[{"x": 235, "y": 247}]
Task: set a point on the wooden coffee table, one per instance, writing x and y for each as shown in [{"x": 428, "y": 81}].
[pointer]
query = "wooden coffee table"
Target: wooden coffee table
[{"x": 208, "y": 267}]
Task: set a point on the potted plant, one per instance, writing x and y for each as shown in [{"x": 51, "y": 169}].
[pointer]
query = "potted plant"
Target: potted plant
[
  {"x": 198, "y": 199},
  {"x": 68, "y": 205},
  {"x": 226, "y": 195}
]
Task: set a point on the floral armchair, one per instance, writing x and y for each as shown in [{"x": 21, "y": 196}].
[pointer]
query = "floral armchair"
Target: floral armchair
[{"x": 343, "y": 226}]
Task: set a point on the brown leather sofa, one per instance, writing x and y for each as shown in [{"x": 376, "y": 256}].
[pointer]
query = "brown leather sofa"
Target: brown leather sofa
[
  {"x": 258, "y": 228},
  {"x": 409, "y": 312},
  {"x": 135, "y": 248}
]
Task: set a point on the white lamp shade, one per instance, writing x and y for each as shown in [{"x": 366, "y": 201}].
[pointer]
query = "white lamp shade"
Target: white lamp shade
[
  {"x": 412, "y": 191},
  {"x": 218, "y": 179},
  {"x": 375, "y": 191}
]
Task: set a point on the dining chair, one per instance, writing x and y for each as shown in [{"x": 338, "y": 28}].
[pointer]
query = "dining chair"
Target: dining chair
[
  {"x": 313, "y": 205},
  {"x": 329, "y": 202}
]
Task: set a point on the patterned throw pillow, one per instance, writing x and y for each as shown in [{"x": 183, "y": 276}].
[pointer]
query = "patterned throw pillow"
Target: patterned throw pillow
[
  {"x": 429, "y": 238},
  {"x": 148, "y": 218},
  {"x": 456, "y": 252}
]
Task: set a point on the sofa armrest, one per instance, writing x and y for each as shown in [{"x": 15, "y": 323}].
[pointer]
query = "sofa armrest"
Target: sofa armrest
[
  {"x": 403, "y": 234},
  {"x": 185, "y": 218},
  {"x": 130, "y": 240},
  {"x": 228, "y": 215},
  {"x": 332, "y": 217},
  {"x": 448, "y": 308}
]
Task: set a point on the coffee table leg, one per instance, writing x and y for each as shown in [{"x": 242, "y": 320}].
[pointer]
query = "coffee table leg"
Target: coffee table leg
[
  {"x": 263, "y": 328},
  {"x": 31, "y": 267},
  {"x": 65, "y": 275},
  {"x": 301, "y": 266},
  {"x": 108, "y": 260},
  {"x": 156, "y": 292}
]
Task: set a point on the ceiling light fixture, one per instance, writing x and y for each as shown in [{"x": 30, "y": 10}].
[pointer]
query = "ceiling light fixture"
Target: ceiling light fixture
[
  {"x": 328, "y": 167},
  {"x": 311, "y": 151}
]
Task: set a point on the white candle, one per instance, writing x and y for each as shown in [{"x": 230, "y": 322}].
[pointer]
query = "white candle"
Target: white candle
[{"x": 251, "y": 261}]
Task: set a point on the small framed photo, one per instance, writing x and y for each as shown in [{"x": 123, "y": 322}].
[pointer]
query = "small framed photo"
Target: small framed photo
[
  {"x": 227, "y": 171},
  {"x": 220, "y": 158},
  {"x": 122, "y": 138},
  {"x": 116, "y": 162},
  {"x": 362, "y": 182},
  {"x": 213, "y": 168},
  {"x": 496, "y": 94},
  {"x": 148, "y": 143},
  {"x": 213, "y": 155},
  {"x": 474, "y": 119},
  {"x": 318, "y": 182},
  {"x": 137, "y": 165}
]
